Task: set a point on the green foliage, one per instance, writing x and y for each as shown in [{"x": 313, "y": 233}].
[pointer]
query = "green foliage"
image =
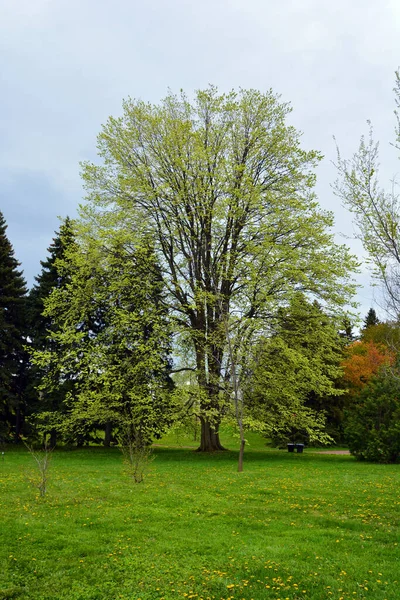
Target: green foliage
[
  {"x": 13, "y": 328},
  {"x": 387, "y": 334},
  {"x": 112, "y": 339},
  {"x": 54, "y": 275},
  {"x": 293, "y": 373},
  {"x": 225, "y": 191},
  {"x": 371, "y": 319},
  {"x": 372, "y": 427},
  {"x": 346, "y": 330}
]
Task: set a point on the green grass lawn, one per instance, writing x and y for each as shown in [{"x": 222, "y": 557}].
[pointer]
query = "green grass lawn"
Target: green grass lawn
[{"x": 290, "y": 526}]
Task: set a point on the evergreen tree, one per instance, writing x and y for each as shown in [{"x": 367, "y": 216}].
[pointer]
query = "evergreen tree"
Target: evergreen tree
[
  {"x": 372, "y": 426},
  {"x": 371, "y": 319},
  {"x": 13, "y": 358},
  {"x": 346, "y": 330},
  {"x": 293, "y": 373},
  {"x": 53, "y": 276},
  {"x": 49, "y": 278},
  {"x": 112, "y": 341}
]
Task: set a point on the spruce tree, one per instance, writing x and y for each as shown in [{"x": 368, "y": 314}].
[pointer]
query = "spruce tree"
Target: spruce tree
[
  {"x": 52, "y": 276},
  {"x": 49, "y": 278},
  {"x": 112, "y": 338},
  {"x": 13, "y": 358},
  {"x": 346, "y": 330},
  {"x": 371, "y": 319},
  {"x": 292, "y": 375}
]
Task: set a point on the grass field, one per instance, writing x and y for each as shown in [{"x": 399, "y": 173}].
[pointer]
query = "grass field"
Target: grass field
[{"x": 291, "y": 526}]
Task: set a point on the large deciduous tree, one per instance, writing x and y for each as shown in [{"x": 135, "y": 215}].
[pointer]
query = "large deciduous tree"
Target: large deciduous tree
[
  {"x": 386, "y": 334},
  {"x": 225, "y": 191},
  {"x": 13, "y": 358}
]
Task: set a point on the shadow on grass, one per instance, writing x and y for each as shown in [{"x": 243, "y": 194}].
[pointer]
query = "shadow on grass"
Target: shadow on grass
[
  {"x": 251, "y": 456},
  {"x": 189, "y": 455}
]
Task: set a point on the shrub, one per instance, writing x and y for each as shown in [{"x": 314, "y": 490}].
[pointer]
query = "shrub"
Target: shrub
[
  {"x": 41, "y": 457},
  {"x": 136, "y": 450},
  {"x": 372, "y": 425}
]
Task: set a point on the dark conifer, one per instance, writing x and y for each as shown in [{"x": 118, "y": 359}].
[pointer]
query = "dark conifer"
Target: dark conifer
[
  {"x": 13, "y": 358},
  {"x": 371, "y": 319},
  {"x": 49, "y": 278},
  {"x": 346, "y": 330},
  {"x": 41, "y": 325}
]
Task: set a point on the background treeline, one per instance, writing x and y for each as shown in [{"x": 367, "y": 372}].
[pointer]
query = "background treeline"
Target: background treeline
[
  {"x": 201, "y": 284},
  {"x": 306, "y": 365}
]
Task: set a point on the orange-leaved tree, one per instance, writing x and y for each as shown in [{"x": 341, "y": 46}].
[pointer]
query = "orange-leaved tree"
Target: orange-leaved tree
[{"x": 362, "y": 361}]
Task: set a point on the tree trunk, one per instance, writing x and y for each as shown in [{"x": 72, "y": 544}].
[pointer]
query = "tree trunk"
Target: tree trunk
[
  {"x": 53, "y": 438},
  {"x": 241, "y": 452},
  {"x": 18, "y": 424},
  {"x": 208, "y": 362},
  {"x": 209, "y": 438},
  {"x": 107, "y": 434}
]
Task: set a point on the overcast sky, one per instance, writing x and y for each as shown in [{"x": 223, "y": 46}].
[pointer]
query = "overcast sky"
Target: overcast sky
[{"x": 66, "y": 65}]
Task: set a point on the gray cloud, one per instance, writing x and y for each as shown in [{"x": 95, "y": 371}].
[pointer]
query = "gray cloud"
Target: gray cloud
[{"x": 66, "y": 65}]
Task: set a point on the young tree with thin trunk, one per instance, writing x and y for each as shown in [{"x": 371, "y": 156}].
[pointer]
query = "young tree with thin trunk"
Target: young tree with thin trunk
[
  {"x": 233, "y": 377},
  {"x": 225, "y": 192}
]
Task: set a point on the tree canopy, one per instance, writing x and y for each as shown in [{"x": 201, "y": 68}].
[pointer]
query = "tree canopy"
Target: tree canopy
[
  {"x": 223, "y": 188},
  {"x": 372, "y": 425}
]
